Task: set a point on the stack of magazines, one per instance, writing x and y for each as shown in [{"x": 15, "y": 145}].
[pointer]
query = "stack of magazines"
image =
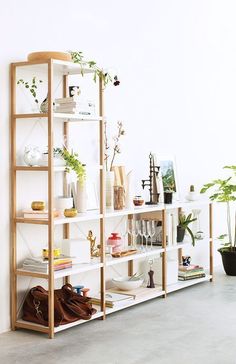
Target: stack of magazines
[
  {"x": 73, "y": 105},
  {"x": 42, "y": 265},
  {"x": 190, "y": 272}
]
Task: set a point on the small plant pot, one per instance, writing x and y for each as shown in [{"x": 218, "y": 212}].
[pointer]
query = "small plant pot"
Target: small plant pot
[
  {"x": 229, "y": 262},
  {"x": 180, "y": 234},
  {"x": 168, "y": 197}
]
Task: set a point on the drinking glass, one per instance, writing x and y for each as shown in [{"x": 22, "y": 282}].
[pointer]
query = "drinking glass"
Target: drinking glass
[
  {"x": 145, "y": 232},
  {"x": 151, "y": 230},
  {"x": 131, "y": 230},
  {"x": 138, "y": 231}
]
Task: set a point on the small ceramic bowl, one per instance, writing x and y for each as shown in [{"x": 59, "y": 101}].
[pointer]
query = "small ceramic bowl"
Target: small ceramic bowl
[
  {"x": 138, "y": 201},
  {"x": 124, "y": 284},
  {"x": 70, "y": 212},
  {"x": 38, "y": 205}
]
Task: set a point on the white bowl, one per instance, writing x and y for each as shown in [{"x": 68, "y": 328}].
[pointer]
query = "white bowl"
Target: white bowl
[{"x": 124, "y": 284}]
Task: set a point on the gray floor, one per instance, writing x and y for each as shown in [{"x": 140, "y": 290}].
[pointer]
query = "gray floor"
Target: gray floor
[{"x": 195, "y": 325}]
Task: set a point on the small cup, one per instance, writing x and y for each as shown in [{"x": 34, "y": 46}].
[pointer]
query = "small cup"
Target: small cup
[{"x": 70, "y": 212}]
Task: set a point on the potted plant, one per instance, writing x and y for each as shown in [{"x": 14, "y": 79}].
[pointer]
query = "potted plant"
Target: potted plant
[
  {"x": 183, "y": 225},
  {"x": 168, "y": 195},
  {"x": 225, "y": 191},
  {"x": 73, "y": 163}
]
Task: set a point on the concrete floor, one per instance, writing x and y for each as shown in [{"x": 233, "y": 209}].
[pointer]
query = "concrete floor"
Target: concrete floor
[{"x": 195, "y": 325}]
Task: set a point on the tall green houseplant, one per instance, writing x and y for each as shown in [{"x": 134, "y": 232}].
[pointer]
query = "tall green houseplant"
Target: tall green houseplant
[{"x": 224, "y": 190}]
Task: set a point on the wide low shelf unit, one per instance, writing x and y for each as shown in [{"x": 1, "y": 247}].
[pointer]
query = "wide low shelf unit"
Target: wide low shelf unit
[{"x": 64, "y": 69}]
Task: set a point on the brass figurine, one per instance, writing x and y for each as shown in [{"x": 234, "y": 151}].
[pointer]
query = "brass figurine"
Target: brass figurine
[{"x": 94, "y": 250}]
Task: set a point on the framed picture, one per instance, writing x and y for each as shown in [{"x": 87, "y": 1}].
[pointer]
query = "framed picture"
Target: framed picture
[{"x": 169, "y": 174}]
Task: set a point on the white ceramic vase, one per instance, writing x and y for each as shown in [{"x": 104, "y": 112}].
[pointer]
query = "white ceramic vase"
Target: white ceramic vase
[
  {"x": 129, "y": 194},
  {"x": 81, "y": 197},
  {"x": 109, "y": 189}
]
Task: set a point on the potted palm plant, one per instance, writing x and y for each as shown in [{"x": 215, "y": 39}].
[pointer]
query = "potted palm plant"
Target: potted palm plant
[
  {"x": 224, "y": 190},
  {"x": 183, "y": 226}
]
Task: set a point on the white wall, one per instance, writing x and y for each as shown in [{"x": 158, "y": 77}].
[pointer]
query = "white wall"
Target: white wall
[{"x": 176, "y": 60}]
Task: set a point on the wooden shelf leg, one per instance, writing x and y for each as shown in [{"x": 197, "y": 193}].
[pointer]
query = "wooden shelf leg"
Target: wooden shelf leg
[
  {"x": 164, "y": 255},
  {"x": 211, "y": 239}
]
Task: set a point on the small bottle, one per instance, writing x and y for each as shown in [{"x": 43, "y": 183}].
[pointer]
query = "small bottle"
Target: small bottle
[{"x": 192, "y": 195}]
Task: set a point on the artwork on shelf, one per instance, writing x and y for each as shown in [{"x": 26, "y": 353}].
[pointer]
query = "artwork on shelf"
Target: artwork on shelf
[{"x": 169, "y": 175}]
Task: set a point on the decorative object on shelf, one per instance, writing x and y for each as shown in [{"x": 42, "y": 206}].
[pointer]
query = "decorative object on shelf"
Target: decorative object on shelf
[
  {"x": 38, "y": 205},
  {"x": 192, "y": 195},
  {"x": 58, "y": 161},
  {"x": 32, "y": 86},
  {"x": 124, "y": 253},
  {"x": 74, "y": 91},
  {"x": 46, "y": 55},
  {"x": 78, "y": 57},
  {"x": 138, "y": 201},
  {"x": 186, "y": 260},
  {"x": 95, "y": 251},
  {"x": 183, "y": 225},
  {"x": 109, "y": 189},
  {"x": 151, "y": 283},
  {"x": 32, "y": 156},
  {"x": 115, "y": 241},
  {"x": 152, "y": 182},
  {"x": 73, "y": 163},
  {"x": 78, "y": 248},
  {"x": 85, "y": 291},
  {"x": 129, "y": 190},
  {"x": 35, "y": 307},
  {"x": 78, "y": 288},
  {"x": 44, "y": 106},
  {"x": 168, "y": 194},
  {"x": 71, "y": 212},
  {"x": 225, "y": 191},
  {"x": 188, "y": 272},
  {"x": 64, "y": 203},
  {"x": 115, "y": 147},
  {"x": 118, "y": 197},
  {"x": 128, "y": 283},
  {"x": 196, "y": 228},
  {"x": 56, "y": 253},
  {"x": 168, "y": 172}
]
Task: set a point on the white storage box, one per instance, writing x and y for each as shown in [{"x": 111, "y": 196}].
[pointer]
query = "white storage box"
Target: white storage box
[
  {"x": 172, "y": 271},
  {"x": 79, "y": 249}
]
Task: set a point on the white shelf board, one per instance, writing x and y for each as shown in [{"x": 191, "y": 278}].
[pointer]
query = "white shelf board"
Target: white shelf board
[
  {"x": 79, "y": 322},
  {"x": 76, "y": 117},
  {"x": 69, "y": 68},
  {"x": 183, "y": 284},
  {"x": 133, "y": 211},
  {"x": 187, "y": 204},
  {"x": 78, "y": 268},
  {"x": 88, "y": 216},
  {"x": 28, "y": 324},
  {"x": 151, "y": 293},
  {"x": 140, "y": 255}
]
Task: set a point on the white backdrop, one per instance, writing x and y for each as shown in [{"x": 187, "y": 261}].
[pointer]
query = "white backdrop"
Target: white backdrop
[{"x": 176, "y": 60}]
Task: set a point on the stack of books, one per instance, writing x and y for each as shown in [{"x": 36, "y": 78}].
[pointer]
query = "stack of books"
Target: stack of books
[
  {"x": 33, "y": 214},
  {"x": 190, "y": 272},
  {"x": 42, "y": 265},
  {"x": 112, "y": 299},
  {"x": 72, "y": 105}
]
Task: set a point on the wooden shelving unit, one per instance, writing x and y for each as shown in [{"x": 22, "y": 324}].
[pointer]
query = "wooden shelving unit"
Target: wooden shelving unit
[{"x": 65, "y": 69}]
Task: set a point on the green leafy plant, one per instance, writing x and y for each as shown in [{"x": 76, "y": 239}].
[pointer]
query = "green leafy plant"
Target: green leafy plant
[
  {"x": 78, "y": 57},
  {"x": 224, "y": 191},
  {"x": 72, "y": 163},
  {"x": 31, "y": 86},
  {"x": 184, "y": 222}
]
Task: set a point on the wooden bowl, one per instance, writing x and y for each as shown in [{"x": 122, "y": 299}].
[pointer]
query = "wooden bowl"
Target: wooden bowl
[{"x": 44, "y": 56}]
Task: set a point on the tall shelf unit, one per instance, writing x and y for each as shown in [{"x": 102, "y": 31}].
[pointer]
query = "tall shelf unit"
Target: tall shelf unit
[{"x": 66, "y": 69}]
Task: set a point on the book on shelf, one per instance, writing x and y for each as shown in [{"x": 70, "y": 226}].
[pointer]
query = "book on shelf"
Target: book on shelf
[
  {"x": 202, "y": 275},
  {"x": 135, "y": 293},
  {"x": 42, "y": 265},
  {"x": 112, "y": 299},
  {"x": 33, "y": 214},
  {"x": 185, "y": 268},
  {"x": 191, "y": 274},
  {"x": 65, "y": 100}
]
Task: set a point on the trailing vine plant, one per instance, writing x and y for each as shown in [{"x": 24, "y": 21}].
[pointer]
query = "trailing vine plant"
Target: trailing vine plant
[
  {"x": 31, "y": 86},
  {"x": 72, "y": 163},
  {"x": 78, "y": 57}
]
